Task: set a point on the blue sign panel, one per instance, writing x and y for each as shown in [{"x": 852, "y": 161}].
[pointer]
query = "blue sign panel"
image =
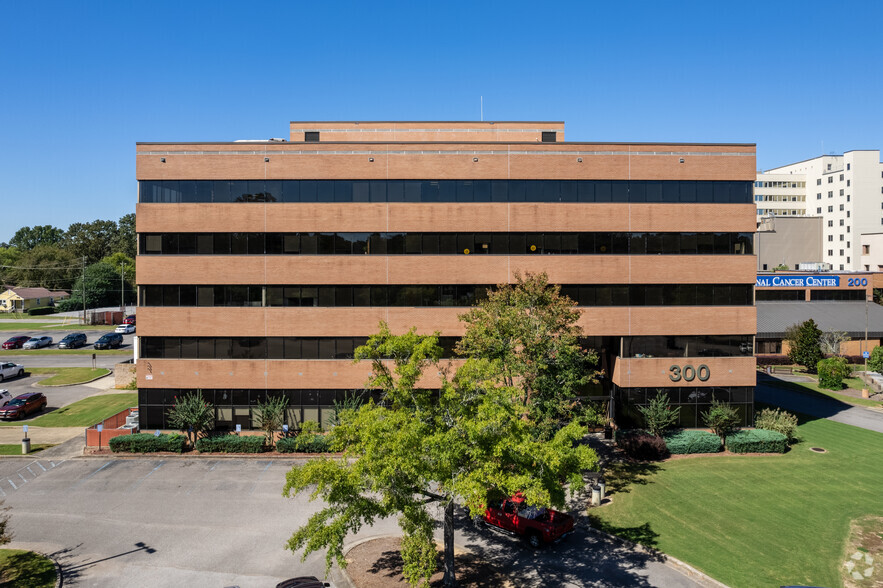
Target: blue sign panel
[
  {"x": 786, "y": 281},
  {"x": 865, "y": 354}
]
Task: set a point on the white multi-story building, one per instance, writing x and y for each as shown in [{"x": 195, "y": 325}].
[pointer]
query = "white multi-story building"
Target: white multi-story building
[
  {"x": 846, "y": 191},
  {"x": 780, "y": 195}
]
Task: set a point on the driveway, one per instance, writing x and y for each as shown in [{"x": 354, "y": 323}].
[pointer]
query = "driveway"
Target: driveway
[
  {"x": 224, "y": 522},
  {"x": 818, "y": 406}
]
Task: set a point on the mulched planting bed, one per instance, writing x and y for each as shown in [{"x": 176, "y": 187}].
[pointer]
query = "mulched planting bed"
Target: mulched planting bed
[{"x": 378, "y": 564}]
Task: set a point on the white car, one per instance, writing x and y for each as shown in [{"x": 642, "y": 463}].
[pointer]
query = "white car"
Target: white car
[
  {"x": 125, "y": 329},
  {"x": 5, "y": 397},
  {"x": 37, "y": 342},
  {"x": 10, "y": 370}
]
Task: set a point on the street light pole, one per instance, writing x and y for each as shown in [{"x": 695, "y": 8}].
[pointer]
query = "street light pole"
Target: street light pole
[
  {"x": 84, "y": 290},
  {"x": 122, "y": 289}
]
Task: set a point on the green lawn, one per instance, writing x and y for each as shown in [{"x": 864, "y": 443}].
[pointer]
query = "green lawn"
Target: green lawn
[
  {"x": 15, "y": 448},
  {"x": 755, "y": 521},
  {"x": 25, "y": 326},
  {"x": 26, "y": 569},
  {"x": 83, "y": 413},
  {"x": 68, "y": 375}
]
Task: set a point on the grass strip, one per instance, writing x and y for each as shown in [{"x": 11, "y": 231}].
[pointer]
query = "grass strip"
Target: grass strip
[
  {"x": 15, "y": 448},
  {"x": 754, "y": 521},
  {"x": 65, "y": 376},
  {"x": 26, "y": 568},
  {"x": 83, "y": 413}
]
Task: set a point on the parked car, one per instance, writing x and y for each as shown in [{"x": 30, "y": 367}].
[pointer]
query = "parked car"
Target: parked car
[
  {"x": 15, "y": 342},
  {"x": 304, "y": 582},
  {"x": 109, "y": 341},
  {"x": 10, "y": 370},
  {"x": 537, "y": 525},
  {"x": 72, "y": 341},
  {"x": 5, "y": 397},
  {"x": 38, "y": 342},
  {"x": 23, "y": 405},
  {"x": 129, "y": 320},
  {"x": 125, "y": 328}
]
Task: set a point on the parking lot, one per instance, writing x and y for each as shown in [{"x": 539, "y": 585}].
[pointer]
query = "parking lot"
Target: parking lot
[{"x": 224, "y": 522}]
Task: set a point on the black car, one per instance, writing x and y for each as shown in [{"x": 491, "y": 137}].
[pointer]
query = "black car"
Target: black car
[
  {"x": 72, "y": 341},
  {"x": 109, "y": 341}
]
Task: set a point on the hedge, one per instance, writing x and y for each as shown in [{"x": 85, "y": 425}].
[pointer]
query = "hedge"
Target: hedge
[
  {"x": 231, "y": 444},
  {"x": 757, "y": 441},
  {"x": 303, "y": 444},
  {"x": 38, "y": 310},
  {"x": 692, "y": 441},
  {"x": 642, "y": 445},
  {"x": 148, "y": 443}
]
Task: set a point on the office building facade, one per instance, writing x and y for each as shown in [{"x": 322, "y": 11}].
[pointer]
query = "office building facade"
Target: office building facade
[{"x": 262, "y": 265}]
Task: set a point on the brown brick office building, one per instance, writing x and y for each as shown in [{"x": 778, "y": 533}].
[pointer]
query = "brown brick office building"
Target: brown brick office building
[{"x": 262, "y": 264}]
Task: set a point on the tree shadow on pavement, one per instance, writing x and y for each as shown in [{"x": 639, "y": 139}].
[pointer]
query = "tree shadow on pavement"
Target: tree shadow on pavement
[
  {"x": 583, "y": 559},
  {"x": 73, "y": 565},
  {"x": 472, "y": 571}
]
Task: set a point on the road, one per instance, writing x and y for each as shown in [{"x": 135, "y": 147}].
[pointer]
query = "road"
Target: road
[
  {"x": 818, "y": 406},
  {"x": 223, "y": 522}
]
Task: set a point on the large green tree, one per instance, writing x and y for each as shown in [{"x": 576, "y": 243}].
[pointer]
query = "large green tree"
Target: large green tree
[
  {"x": 93, "y": 240},
  {"x": 804, "y": 341},
  {"x": 453, "y": 445},
  {"x": 124, "y": 240},
  {"x": 525, "y": 335},
  {"x": 46, "y": 266},
  {"x": 102, "y": 288},
  {"x": 26, "y": 238}
]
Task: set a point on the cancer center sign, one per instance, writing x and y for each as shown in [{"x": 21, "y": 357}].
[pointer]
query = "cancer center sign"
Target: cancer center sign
[{"x": 787, "y": 281}]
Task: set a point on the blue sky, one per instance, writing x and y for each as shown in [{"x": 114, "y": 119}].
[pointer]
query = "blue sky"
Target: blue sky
[{"x": 81, "y": 82}]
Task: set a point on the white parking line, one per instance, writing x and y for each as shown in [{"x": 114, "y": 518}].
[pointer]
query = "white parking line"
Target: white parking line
[
  {"x": 41, "y": 466},
  {"x": 23, "y": 479},
  {"x": 139, "y": 482},
  {"x": 32, "y": 471},
  {"x": 255, "y": 485},
  {"x": 12, "y": 483}
]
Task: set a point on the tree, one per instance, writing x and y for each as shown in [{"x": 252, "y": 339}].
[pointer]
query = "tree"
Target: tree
[
  {"x": 525, "y": 335},
  {"x": 832, "y": 371},
  {"x": 875, "y": 362},
  {"x": 46, "y": 266},
  {"x": 128, "y": 264},
  {"x": 659, "y": 415},
  {"x": 124, "y": 240},
  {"x": 830, "y": 342},
  {"x": 102, "y": 288},
  {"x": 5, "y": 534},
  {"x": 193, "y": 414},
  {"x": 781, "y": 267},
  {"x": 270, "y": 415},
  {"x": 804, "y": 344},
  {"x": 91, "y": 240},
  {"x": 721, "y": 418},
  {"x": 9, "y": 262},
  {"x": 417, "y": 446},
  {"x": 26, "y": 238}
]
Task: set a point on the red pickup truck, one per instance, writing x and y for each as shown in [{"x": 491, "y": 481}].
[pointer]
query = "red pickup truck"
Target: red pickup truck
[{"x": 537, "y": 525}]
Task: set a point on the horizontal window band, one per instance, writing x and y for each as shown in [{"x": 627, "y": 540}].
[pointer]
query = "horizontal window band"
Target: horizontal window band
[
  {"x": 478, "y": 243},
  {"x": 342, "y": 348},
  {"x": 622, "y": 295},
  {"x": 429, "y": 190}
]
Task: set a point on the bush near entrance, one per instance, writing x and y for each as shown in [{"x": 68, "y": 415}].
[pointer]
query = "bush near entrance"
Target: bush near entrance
[
  {"x": 757, "y": 441},
  {"x": 831, "y": 372},
  {"x": 875, "y": 362},
  {"x": 692, "y": 441},
  {"x": 147, "y": 443},
  {"x": 231, "y": 444},
  {"x": 303, "y": 444}
]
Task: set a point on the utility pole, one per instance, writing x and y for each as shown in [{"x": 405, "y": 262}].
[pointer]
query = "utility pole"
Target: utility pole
[
  {"x": 122, "y": 289},
  {"x": 84, "y": 290}
]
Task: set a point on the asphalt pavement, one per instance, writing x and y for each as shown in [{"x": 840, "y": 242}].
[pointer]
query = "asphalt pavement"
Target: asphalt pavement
[
  {"x": 223, "y": 522},
  {"x": 817, "y": 406}
]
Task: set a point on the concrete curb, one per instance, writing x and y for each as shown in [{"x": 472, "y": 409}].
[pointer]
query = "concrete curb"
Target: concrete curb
[
  {"x": 672, "y": 562},
  {"x": 59, "y": 576}
]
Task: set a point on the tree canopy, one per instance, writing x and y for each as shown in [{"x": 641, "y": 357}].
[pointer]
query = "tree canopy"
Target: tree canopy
[
  {"x": 452, "y": 441},
  {"x": 804, "y": 342}
]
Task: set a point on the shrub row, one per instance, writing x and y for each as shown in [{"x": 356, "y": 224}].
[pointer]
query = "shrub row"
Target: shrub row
[
  {"x": 764, "y": 360},
  {"x": 691, "y": 441},
  {"x": 303, "y": 444},
  {"x": 147, "y": 443},
  {"x": 38, "y": 310},
  {"x": 231, "y": 444},
  {"x": 757, "y": 441}
]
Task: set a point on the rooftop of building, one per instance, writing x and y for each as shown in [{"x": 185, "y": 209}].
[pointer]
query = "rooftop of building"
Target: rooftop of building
[{"x": 774, "y": 318}]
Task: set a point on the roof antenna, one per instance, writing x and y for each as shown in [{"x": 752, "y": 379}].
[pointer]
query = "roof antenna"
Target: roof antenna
[{"x": 482, "y": 107}]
